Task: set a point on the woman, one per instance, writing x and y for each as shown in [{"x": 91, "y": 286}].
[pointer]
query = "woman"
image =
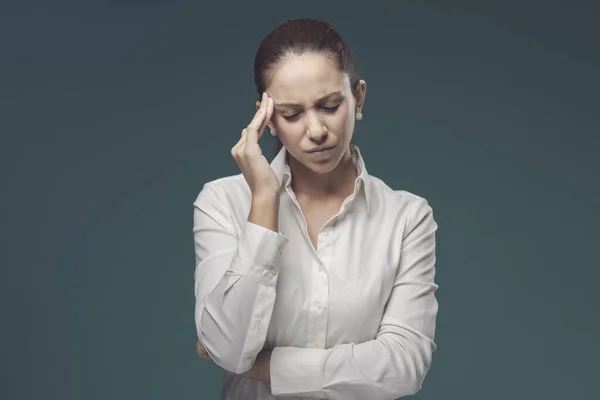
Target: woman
[{"x": 313, "y": 278}]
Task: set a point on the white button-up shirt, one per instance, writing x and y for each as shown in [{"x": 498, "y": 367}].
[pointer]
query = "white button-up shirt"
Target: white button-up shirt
[{"x": 353, "y": 318}]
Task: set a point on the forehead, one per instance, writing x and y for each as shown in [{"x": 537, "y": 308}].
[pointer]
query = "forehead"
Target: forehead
[{"x": 306, "y": 77}]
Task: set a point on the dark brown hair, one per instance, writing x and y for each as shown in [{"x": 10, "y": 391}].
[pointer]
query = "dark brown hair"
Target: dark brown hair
[{"x": 297, "y": 37}]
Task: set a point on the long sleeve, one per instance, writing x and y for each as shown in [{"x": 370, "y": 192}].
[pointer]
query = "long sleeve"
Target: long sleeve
[
  {"x": 395, "y": 363},
  {"x": 234, "y": 282}
]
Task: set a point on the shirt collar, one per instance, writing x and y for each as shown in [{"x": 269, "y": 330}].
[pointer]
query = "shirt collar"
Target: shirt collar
[{"x": 363, "y": 180}]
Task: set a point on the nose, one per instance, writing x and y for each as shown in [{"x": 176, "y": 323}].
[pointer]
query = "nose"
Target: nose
[{"x": 315, "y": 128}]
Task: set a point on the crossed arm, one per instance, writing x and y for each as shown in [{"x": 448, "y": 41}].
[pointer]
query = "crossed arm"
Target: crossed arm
[
  {"x": 392, "y": 365},
  {"x": 260, "y": 370}
]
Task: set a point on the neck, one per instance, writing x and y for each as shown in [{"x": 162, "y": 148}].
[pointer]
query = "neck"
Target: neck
[{"x": 338, "y": 182}]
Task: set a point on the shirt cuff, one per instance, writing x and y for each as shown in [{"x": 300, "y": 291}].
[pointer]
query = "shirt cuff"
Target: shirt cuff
[
  {"x": 297, "y": 372},
  {"x": 258, "y": 249}
]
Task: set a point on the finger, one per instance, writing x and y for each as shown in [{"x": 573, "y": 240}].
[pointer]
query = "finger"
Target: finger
[
  {"x": 258, "y": 119},
  {"x": 259, "y": 115},
  {"x": 243, "y": 141},
  {"x": 242, "y": 148},
  {"x": 200, "y": 349},
  {"x": 270, "y": 109},
  {"x": 239, "y": 145}
]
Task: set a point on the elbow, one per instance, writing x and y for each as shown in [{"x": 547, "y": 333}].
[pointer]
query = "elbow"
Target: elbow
[
  {"x": 225, "y": 355},
  {"x": 414, "y": 386},
  {"x": 419, "y": 365},
  {"x": 222, "y": 350},
  {"x": 415, "y": 364},
  {"x": 412, "y": 382},
  {"x": 216, "y": 352}
]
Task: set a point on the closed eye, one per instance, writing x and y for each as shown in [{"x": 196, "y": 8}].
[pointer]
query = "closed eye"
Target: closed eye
[
  {"x": 327, "y": 109},
  {"x": 331, "y": 109},
  {"x": 290, "y": 117}
]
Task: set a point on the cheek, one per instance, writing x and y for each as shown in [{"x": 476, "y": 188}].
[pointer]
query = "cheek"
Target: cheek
[
  {"x": 339, "y": 122},
  {"x": 287, "y": 131}
]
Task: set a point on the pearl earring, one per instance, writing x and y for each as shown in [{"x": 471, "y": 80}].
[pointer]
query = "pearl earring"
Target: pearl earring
[
  {"x": 359, "y": 115},
  {"x": 273, "y": 132}
]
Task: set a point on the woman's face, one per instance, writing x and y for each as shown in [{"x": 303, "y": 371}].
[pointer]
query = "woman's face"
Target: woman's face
[{"x": 314, "y": 108}]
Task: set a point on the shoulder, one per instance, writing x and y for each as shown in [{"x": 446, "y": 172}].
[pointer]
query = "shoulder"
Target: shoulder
[
  {"x": 396, "y": 199},
  {"x": 230, "y": 190},
  {"x": 404, "y": 207}
]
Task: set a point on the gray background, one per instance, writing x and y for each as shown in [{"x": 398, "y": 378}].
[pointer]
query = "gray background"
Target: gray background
[{"x": 113, "y": 115}]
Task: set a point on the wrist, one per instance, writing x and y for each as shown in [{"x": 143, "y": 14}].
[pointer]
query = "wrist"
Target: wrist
[
  {"x": 266, "y": 198},
  {"x": 267, "y": 372},
  {"x": 264, "y": 211}
]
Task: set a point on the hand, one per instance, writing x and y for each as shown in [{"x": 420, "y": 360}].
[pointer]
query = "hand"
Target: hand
[
  {"x": 260, "y": 371},
  {"x": 202, "y": 351},
  {"x": 247, "y": 153}
]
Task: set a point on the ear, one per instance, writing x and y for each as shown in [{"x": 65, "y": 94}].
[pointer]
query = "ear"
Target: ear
[{"x": 360, "y": 102}]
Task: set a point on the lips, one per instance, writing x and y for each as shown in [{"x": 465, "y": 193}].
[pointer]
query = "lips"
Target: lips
[{"x": 320, "y": 149}]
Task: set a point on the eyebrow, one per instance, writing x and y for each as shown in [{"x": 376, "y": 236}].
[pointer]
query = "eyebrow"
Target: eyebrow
[{"x": 294, "y": 105}]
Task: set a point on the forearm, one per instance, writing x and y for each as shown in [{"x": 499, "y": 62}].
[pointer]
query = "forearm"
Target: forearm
[
  {"x": 232, "y": 319},
  {"x": 384, "y": 368},
  {"x": 264, "y": 211}
]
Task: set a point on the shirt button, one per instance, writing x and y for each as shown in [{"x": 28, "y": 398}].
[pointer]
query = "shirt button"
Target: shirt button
[{"x": 320, "y": 305}]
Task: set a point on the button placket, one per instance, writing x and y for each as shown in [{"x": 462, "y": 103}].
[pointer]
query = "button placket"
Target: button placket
[{"x": 319, "y": 297}]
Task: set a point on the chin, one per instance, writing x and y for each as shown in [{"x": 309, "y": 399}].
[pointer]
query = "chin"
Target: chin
[
  {"x": 321, "y": 169},
  {"x": 322, "y": 166}
]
